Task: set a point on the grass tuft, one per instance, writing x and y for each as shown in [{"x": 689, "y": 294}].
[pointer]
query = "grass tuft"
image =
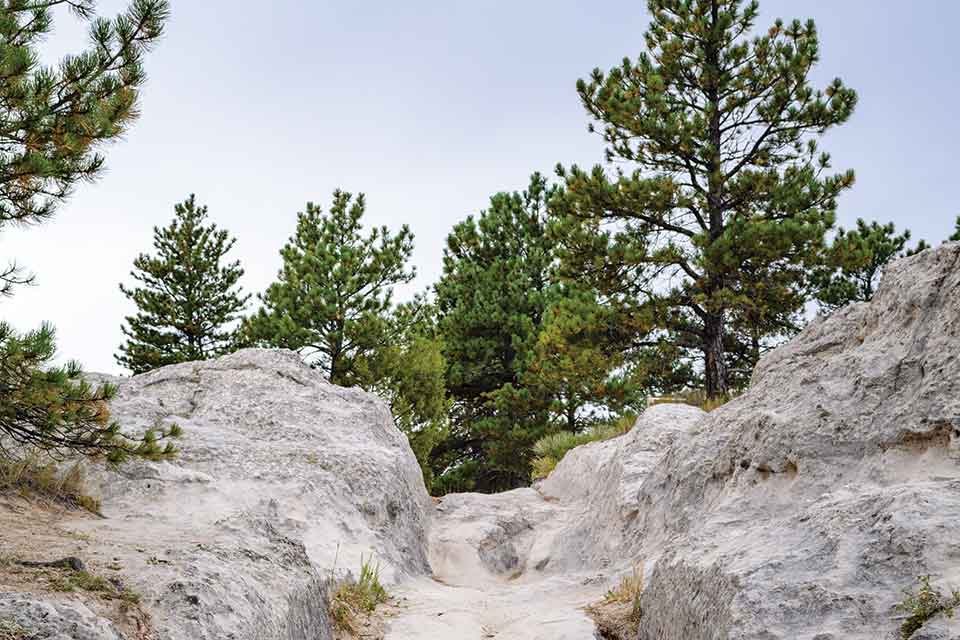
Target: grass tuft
[
  {"x": 81, "y": 581},
  {"x": 923, "y": 605},
  {"x": 618, "y": 615},
  {"x": 549, "y": 450},
  {"x": 695, "y": 398},
  {"x": 32, "y": 476},
  {"x": 355, "y": 599}
]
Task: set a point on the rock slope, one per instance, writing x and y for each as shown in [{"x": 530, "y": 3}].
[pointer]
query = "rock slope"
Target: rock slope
[
  {"x": 805, "y": 507},
  {"x": 283, "y": 478},
  {"x": 801, "y": 510}
]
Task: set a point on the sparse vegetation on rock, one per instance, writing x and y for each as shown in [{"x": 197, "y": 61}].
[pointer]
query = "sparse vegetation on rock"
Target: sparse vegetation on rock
[
  {"x": 924, "y": 603},
  {"x": 32, "y": 477},
  {"x": 10, "y": 630},
  {"x": 355, "y": 599},
  {"x": 618, "y": 615}
]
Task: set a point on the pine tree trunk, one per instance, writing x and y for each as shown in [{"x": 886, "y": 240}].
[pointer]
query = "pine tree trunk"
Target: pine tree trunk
[
  {"x": 714, "y": 356},
  {"x": 713, "y": 325}
]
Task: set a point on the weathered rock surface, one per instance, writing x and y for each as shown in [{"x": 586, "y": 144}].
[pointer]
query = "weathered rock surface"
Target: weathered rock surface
[
  {"x": 804, "y": 508},
  {"x": 54, "y": 620},
  {"x": 283, "y": 478},
  {"x": 522, "y": 564},
  {"x": 801, "y": 510}
]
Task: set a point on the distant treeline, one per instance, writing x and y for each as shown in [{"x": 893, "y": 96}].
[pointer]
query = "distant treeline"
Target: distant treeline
[{"x": 697, "y": 246}]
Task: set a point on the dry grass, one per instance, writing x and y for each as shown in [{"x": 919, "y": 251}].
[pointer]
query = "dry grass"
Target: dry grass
[
  {"x": 618, "y": 615},
  {"x": 694, "y": 398},
  {"x": 10, "y": 630},
  {"x": 355, "y": 600},
  {"x": 33, "y": 476}
]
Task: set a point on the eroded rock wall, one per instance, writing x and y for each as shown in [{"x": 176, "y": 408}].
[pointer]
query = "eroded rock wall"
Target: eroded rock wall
[
  {"x": 283, "y": 480},
  {"x": 803, "y": 508}
]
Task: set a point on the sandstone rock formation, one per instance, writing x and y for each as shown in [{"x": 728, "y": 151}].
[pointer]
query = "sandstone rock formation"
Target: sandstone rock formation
[
  {"x": 804, "y": 508},
  {"x": 800, "y": 510},
  {"x": 282, "y": 479},
  {"x": 522, "y": 564}
]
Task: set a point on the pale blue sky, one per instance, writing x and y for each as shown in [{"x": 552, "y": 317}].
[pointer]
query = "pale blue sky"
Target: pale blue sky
[{"x": 430, "y": 107}]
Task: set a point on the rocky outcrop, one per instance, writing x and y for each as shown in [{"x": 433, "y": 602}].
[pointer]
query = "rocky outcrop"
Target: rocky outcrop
[
  {"x": 801, "y": 510},
  {"x": 283, "y": 480},
  {"x": 522, "y": 564},
  {"x": 804, "y": 508}
]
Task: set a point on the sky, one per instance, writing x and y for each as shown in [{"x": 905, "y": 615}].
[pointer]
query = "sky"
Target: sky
[{"x": 429, "y": 107}]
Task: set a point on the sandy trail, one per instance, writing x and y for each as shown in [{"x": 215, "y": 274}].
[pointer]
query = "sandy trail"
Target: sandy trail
[{"x": 485, "y": 551}]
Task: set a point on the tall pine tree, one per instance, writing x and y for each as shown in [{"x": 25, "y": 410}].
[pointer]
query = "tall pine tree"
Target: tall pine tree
[
  {"x": 53, "y": 123},
  {"x": 409, "y": 372},
  {"x": 514, "y": 338},
  {"x": 956, "y": 234},
  {"x": 334, "y": 291},
  {"x": 729, "y": 195},
  {"x": 188, "y": 300}
]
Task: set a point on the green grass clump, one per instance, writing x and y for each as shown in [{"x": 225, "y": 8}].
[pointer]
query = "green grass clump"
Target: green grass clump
[
  {"x": 549, "y": 450},
  {"x": 32, "y": 476},
  {"x": 10, "y": 630},
  {"x": 73, "y": 581},
  {"x": 355, "y": 598},
  {"x": 923, "y": 605},
  {"x": 81, "y": 581}
]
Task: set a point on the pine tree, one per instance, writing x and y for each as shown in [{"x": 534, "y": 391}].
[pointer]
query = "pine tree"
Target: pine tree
[
  {"x": 854, "y": 263},
  {"x": 514, "y": 337},
  {"x": 53, "y": 121},
  {"x": 577, "y": 368},
  {"x": 409, "y": 372},
  {"x": 187, "y": 299},
  {"x": 53, "y": 409},
  {"x": 334, "y": 291},
  {"x": 956, "y": 234},
  {"x": 729, "y": 197}
]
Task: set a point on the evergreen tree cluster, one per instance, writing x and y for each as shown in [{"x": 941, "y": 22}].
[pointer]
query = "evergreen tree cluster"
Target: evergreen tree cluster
[{"x": 698, "y": 245}]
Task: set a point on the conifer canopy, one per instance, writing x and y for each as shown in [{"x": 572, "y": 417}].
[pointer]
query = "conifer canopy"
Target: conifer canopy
[
  {"x": 720, "y": 195},
  {"x": 188, "y": 298}
]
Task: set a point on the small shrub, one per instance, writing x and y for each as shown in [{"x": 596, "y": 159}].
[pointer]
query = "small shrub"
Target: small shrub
[
  {"x": 129, "y": 597},
  {"x": 10, "y": 630},
  {"x": 923, "y": 605},
  {"x": 549, "y": 450},
  {"x": 628, "y": 592},
  {"x": 33, "y": 476},
  {"x": 354, "y": 599}
]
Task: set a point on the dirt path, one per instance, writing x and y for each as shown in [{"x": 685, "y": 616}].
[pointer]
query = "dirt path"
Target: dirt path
[{"x": 485, "y": 550}]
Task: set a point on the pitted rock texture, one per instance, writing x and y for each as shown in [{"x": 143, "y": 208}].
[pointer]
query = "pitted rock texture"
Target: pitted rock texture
[{"x": 282, "y": 481}]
